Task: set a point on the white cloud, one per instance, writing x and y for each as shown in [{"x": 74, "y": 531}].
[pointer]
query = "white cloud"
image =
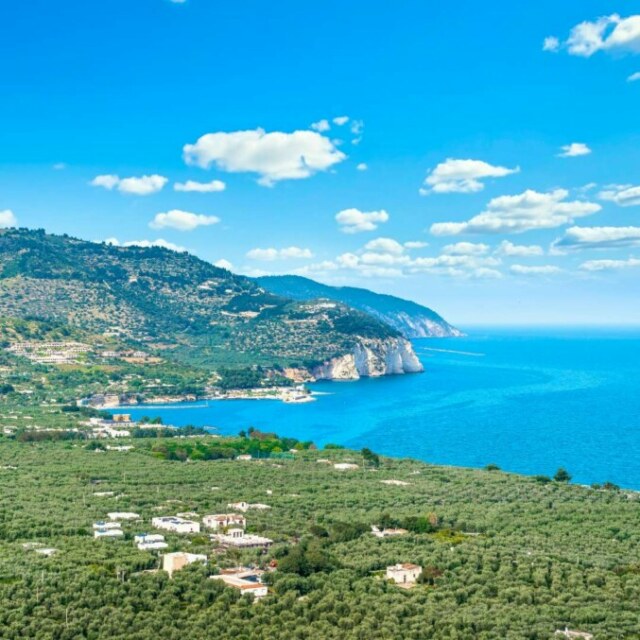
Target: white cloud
[
  {"x": 269, "y": 255},
  {"x": 624, "y": 195},
  {"x": 8, "y": 219},
  {"x": 524, "y": 212},
  {"x": 59, "y": 166},
  {"x": 415, "y": 244},
  {"x": 357, "y": 128},
  {"x": 356, "y": 221},
  {"x": 465, "y": 249},
  {"x": 362, "y": 166},
  {"x": 321, "y": 126},
  {"x": 223, "y": 264},
  {"x": 573, "y": 150},
  {"x": 578, "y": 238},
  {"x": 551, "y": 44},
  {"x": 200, "y": 187},
  {"x": 142, "y": 186},
  {"x": 146, "y": 244},
  {"x": 608, "y": 33},
  {"x": 525, "y": 270},
  {"x": 273, "y": 156},
  {"x": 462, "y": 176},
  {"x": 182, "y": 220},
  {"x": 609, "y": 265},
  {"x": 385, "y": 245},
  {"x": 509, "y": 249},
  {"x": 341, "y": 120},
  {"x": 634, "y": 77}
]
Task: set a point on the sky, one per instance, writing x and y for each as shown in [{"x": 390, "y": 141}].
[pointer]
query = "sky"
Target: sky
[{"x": 475, "y": 157}]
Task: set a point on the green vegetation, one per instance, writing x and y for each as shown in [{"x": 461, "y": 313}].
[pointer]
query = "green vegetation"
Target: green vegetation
[
  {"x": 409, "y": 318},
  {"x": 504, "y": 556},
  {"x": 172, "y": 305}
]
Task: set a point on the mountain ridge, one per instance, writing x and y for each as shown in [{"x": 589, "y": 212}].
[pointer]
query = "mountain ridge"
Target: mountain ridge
[{"x": 411, "y": 319}]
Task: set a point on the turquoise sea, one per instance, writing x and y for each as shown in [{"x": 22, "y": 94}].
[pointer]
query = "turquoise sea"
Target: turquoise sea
[{"x": 527, "y": 400}]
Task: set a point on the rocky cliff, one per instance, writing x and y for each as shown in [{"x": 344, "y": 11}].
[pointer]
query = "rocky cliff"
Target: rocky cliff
[{"x": 372, "y": 358}]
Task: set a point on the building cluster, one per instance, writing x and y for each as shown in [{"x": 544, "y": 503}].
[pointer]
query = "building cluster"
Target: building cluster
[
  {"x": 405, "y": 574},
  {"x": 49, "y": 352}
]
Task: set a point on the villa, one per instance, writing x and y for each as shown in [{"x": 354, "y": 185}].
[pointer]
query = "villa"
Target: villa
[
  {"x": 239, "y": 539},
  {"x": 224, "y": 520},
  {"x": 245, "y": 506},
  {"x": 123, "y": 515},
  {"x": 176, "y": 524},
  {"x": 404, "y": 574},
  {"x": 150, "y": 541},
  {"x": 245, "y": 580},
  {"x": 387, "y": 533},
  {"x": 172, "y": 562}
]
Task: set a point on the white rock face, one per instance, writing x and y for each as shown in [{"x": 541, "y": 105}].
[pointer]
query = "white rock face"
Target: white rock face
[{"x": 372, "y": 358}]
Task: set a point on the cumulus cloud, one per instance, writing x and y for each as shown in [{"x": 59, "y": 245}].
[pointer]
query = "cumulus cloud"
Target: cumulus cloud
[
  {"x": 416, "y": 244},
  {"x": 182, "y": 220},
  {"x": 578, "y": 238},
  {"x": 634, "y": 77},
  {"x": 223, "y": 264},
  {"x": 362, "y": 166},
  {"x": 288, "y": 253},
  {"x": 526, "y": 270},
  {"x": 273, "y": 156},
  {"x": 142, "y": 186},
  {"x": 321, "y": 126},
  {"x": 524, "y": 212},
  {"x": 462, "y": 176},
  {"x": 551, "y": 43},
  {"x": 356, "y": 221},
  {"x": 609, "y": 265},
  {"x": 200, "y": 187},
  {"x": 508, "y": 249},
  {"x": 465, "y": 249},
  {"x": 341, "y": 120},
  {"x": 624, "y": 195},
  {"x": 146, "y": 244},
  {"x": 8, "y": 219},
  {"x": 574, "y": 149},
  {"x": 385, "y": 245},
  {"x": 609, "y": 33},
  {"x": 357, "y": 129}
]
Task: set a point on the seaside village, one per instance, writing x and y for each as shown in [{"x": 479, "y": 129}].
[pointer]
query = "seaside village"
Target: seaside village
[{"x": 226, "y": 531}]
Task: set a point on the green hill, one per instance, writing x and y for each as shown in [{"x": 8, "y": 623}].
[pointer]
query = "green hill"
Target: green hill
[
  {"x": 173, "y": 304},
  {"x": 411, "y": 319}
]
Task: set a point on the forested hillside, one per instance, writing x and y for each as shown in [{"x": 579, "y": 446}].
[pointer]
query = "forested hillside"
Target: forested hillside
[{"x": 503, "y": 556}]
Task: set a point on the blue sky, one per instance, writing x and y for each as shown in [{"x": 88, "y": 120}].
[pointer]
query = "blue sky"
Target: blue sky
[{"x": 489, "y": 165}]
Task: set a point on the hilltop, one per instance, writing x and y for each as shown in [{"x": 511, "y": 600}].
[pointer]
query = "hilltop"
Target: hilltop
[
  {"x": 186, "y": 310},
  {"x": 411, "y": 319}
]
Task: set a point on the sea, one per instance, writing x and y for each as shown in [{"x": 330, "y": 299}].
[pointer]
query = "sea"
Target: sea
[{"x": 527, "y": 400}]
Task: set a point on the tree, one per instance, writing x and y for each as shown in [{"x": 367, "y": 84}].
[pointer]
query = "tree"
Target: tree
[{"x": 562, "y": 475}]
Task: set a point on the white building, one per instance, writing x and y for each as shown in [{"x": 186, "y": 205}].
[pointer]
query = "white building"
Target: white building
[
  {"x": 150, "y": 542},
  {"x": 123, "y": 515},
  {"x": 245, "y": 506},
  {"x": 108, "y": 533},
  {"x": 245, "y": 580},
  {"x": 345, "y": 466},
  {"x": 223, "y": 520},
  {"x": 405, "y": 573},
  {"x": 176, "y": 524},
  {"x": 175, "y": 561},
  {"x": 387, "y": 533},
  {"x": 106, "y": 525},
  {"x": 239, "y": 539},
  {"x": 244, "y": 456}
]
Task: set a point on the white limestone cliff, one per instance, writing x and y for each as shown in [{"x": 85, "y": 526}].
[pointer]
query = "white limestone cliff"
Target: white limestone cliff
[{"x": 372, "y": 358}]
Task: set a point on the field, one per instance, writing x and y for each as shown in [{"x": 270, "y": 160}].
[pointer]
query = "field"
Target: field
[{"x": 504, "y": 556}]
